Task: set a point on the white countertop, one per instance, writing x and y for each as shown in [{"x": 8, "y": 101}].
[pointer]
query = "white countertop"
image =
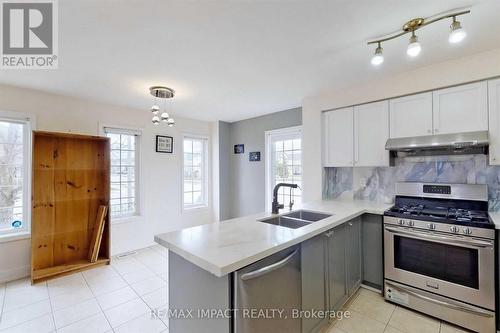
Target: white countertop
[
  {"x": 495, "y": 218},
  {"x": 224, "y": 247}
]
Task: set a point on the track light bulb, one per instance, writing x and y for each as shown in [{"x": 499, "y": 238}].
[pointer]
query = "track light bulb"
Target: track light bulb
[
  {"x": 457, "y": 33},
  {"x": 414, "y": 47},
  {"x": 378, "y": 57}
]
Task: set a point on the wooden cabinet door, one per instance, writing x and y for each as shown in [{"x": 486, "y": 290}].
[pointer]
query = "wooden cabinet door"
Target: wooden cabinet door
[
  {"x": 338, "y": 138},
  {"x": 410, "y": 115},
  {"x": 371, "y": 131},
  {"x": 337, "y": 286},
  {"x": 353, "y": 255},
  {"x": 494, "y": 120},
  {"x": 461, "y": 109},
  {"x": 314, "y": 288}
]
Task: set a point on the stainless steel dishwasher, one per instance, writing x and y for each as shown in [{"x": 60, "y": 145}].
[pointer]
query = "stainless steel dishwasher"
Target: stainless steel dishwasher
[{"x": 266, "y": 287}]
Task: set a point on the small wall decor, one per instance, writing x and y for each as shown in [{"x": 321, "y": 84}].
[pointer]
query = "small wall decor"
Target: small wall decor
[
  {"x": 254, "y": 156},
  {"x": 164, "y": 144},
  {"x": 239, "y": 149}
]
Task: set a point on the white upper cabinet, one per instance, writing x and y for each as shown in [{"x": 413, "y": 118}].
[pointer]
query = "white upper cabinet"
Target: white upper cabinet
[
  {"x": 461, "y": 109},
  {"x": 411, "y": 115},
  {"x": 338, "y": 138},
  {"x": 371, "y": 131},
  {"x": 494, "y": 120}
]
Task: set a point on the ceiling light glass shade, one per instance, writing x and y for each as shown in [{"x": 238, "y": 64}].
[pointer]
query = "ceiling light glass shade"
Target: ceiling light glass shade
[
  {"x": 164, "y": 116},
  {"x": 155, "y": 109},
  {"x": 171, "y": 122},
  {"x": 156, "y": 120},
  {"x": 378, "y": 57},
  {"x": 414, "y": 47},
  {"x": 457, "y": 33}
]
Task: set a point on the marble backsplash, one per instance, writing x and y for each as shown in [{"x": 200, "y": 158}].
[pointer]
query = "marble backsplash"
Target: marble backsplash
[{"x": 378, "y": 184}]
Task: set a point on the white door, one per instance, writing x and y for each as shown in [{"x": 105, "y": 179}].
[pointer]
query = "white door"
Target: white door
[
  {"x": 411, "y": 115},
  {"x": 494, "y": 120},
  {"x": 371, "y": 131},
  {"x": 284, "y": 164},
  {"x": 338, "y": 138},
  {"x": 461, "y": 109}
]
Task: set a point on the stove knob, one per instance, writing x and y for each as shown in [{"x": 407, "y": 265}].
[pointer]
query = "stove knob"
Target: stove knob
[
  {"x": 431, "y": 226},
  {"x": 454, "y": 229},
  {"x": 401, "y": 222},
  {"x": 411, "y": 223},
  {"x": 467, "y": 231}
]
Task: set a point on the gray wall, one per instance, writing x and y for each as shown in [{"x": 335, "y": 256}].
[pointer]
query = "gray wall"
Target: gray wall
[{"x": 242, "y": 183}]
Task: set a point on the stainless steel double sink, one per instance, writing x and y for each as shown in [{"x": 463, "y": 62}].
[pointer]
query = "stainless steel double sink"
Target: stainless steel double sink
[{"x": 296, "y": 219}]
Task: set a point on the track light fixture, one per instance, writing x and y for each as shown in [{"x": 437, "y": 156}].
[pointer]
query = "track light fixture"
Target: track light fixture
[{"x": 457, "y": 34}]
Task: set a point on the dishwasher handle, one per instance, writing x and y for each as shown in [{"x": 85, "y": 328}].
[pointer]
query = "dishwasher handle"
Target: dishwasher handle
[{"x": 264, "y": 270}]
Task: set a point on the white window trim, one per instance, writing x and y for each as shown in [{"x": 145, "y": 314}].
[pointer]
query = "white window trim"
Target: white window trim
[
  {"x": 139, "y": 173},
  {"x": 30, "y": 120},
  {"x": 267, "y": 154},
  {"x": 206, "y": 203}
]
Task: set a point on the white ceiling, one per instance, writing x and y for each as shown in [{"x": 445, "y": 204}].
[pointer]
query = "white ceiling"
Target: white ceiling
[{"x": 231, "y": 60}]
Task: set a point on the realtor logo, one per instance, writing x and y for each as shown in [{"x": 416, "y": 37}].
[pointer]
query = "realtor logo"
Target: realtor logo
[{"x": 29, "y": 34}]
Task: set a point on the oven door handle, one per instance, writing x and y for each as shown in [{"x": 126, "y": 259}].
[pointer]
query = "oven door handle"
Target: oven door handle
[
  {"x": 447, "y": 239},
  {"x": 443, "y": 303}
]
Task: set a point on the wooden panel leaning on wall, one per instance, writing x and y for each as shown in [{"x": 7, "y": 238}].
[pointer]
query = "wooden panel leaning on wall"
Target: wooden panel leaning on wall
[{"x": 71, "y": 182}]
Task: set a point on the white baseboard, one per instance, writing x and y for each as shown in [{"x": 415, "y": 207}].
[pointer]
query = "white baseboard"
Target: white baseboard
[{"x": 14, "y": 274}]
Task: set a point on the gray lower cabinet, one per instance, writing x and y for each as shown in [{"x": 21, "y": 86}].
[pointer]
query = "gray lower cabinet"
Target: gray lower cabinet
[
  {"x": 353, "y": 255},
  {"x": 373, "y": 252},
  {"x": 332, "y": 270},
  {"x": 314, "y": 288},
  {"x": 336, "y": 258}
]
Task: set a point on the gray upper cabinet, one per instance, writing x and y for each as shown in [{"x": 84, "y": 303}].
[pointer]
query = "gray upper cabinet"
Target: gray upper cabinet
[
  {"x": 353, "y": 255},
  {"x": 314, "y": 289},
  {"x": 337, "y": 286}
]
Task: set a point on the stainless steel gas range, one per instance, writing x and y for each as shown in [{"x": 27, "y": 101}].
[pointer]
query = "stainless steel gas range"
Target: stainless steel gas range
[{"x": 439, "y": 253}]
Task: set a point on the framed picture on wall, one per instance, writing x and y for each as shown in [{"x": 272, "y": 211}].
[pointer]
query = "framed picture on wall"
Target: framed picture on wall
[
  {"x": 164, "y": 144},
  {"x": 239, "y": 149},
  {"x": 254, "y": 156}
]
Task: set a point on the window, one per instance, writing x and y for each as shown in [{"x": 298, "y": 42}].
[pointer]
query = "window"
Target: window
[
  {"x": 284, "y": 164},
  {"x": 125, "y": 161},
  {"x": 15, "y": 161},
  {"x": 195, "y": 180}
]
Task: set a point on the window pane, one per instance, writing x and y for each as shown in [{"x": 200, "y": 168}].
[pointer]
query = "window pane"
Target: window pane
[
  {"x": 286, "y": 165},
  {"x": 123, "y": 174},
  {"x": 197, "y": 198},
  {"x": 188, "y": 186},
  {"x": 194, "y": 171},
  {"x": 188, "y": 146},
  {"x": 12, "y": 169},
  {"x": 188, "y": 198},
  {"x": 127, "y": 190},
  {"x": 128, "y": 157},
  {"x": 197, "y": 146},
  {"x": 128, "y": 142},
  {"x": 114, "y": 140}
]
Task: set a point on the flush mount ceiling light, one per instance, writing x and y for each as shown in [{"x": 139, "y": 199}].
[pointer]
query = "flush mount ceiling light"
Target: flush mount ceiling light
[
  {"x": 162, "y": 93},
  {"x": 457, "y": 34}
]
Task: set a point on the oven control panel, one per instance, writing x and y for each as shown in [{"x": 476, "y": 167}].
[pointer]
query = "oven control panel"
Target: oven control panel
[
  {"x": 437, "y": 189},
  {"x": 440, "y": 227}
]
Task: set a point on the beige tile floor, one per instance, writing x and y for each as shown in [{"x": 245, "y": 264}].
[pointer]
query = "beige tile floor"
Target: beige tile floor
[
  {"x": 114, "y": 298},
  {"x": 371, "y": 314},
  {"x": 119, "y": 298}
]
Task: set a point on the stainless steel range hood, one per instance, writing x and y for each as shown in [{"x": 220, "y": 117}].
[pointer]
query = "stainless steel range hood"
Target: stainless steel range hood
[{"x": 442, "y": 144}]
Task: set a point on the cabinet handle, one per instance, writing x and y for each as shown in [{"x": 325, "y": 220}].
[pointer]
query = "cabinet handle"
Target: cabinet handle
[
  {"x": 329, "y": 234},
  {"x": 429, "y": 131},
  {"x": 349, "y": 224},
  {"x": 436, "y": 130}
]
